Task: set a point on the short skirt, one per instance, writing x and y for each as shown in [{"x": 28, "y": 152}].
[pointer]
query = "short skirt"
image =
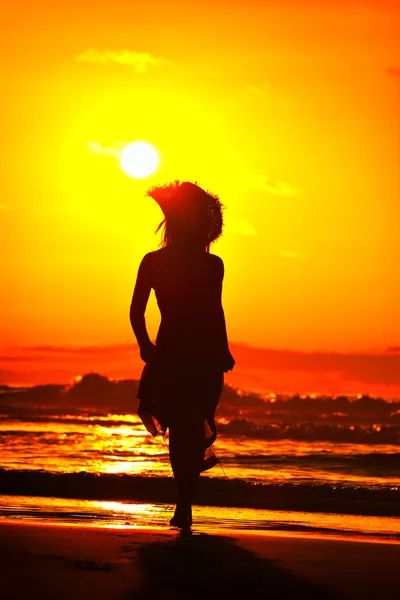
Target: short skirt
[{"x": 181, "y": 392}]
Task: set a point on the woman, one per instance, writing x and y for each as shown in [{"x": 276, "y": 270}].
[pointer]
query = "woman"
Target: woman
[{"x": 183, "y": 377}]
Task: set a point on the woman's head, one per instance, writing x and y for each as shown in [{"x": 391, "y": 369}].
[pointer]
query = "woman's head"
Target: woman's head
[{"x": 193, "y": 217}]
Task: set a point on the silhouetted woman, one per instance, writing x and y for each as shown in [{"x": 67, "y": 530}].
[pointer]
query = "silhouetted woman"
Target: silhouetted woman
[{"x": 183, "y": 377}]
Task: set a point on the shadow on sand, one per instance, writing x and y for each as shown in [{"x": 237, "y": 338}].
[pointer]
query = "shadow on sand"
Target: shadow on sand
[{"x": 214, "y": 567}]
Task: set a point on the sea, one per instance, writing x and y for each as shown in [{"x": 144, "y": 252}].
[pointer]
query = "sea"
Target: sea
[{"x": 311, "y": 464}]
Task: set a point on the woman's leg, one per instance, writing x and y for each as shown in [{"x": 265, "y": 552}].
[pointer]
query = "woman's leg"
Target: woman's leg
[
  {"x": 187, "y": 431},
  {"x": 186, "y": 449}
]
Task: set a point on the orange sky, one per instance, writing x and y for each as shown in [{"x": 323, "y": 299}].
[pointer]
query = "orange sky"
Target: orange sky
[{"x": 288, "y": 110}]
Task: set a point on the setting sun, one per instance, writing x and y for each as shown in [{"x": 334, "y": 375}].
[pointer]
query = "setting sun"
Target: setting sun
[{"x": 139, "y": 160}]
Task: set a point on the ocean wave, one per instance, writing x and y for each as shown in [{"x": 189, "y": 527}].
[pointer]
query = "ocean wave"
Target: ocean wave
[
  {"x": 383, "y": 501},
  {"x": 134, "y": 514},
  {"x": 389, "y": 463},
  {"x": 96, "y": 392},
  {"x": 308, "y": 431},
  {"x": 300, "y": 431}
]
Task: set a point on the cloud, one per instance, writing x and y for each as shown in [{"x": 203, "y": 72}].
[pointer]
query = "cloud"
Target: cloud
[
  {"x": 395, "y": 71},
  {"x": 253, "y": 181},
  {"x": 281, "y": 188},
  {"x": 6, "y": 375},
  {"x": 269, "y": 93},
  {"x": 239, "y": 226},
  {"x": 278, "y": 370},
  {"x": 114, "y": 150},
  {"x": 292, "y": 254},
  {"x": 60, "y": 363},
  {"x": 50, "y": 353},
  {"x": 106, "y": 349},
  {"x": 140, "y": 61},
  {"x": 394, "y": 349},
  {"x": 259, "y": 90},
  {"x": 365, "y": 368}
]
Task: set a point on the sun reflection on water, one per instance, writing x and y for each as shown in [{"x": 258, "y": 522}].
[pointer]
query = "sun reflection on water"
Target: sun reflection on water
[
  {"x": 111, "y": 514},
  {"x": 117, "y": 443}
]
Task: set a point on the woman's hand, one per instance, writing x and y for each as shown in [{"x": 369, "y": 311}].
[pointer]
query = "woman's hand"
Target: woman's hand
[{"x": 148, "y": 352}]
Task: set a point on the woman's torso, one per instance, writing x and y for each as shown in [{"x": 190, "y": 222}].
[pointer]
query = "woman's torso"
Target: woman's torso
[{"x": 187, "y": 286}]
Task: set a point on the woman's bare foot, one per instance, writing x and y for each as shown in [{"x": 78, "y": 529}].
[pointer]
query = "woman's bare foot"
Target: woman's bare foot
[{"x": 182, "y": 517}]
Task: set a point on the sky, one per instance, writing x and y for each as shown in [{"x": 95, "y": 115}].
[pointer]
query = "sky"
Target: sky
[{"x": 287, "y": 110}]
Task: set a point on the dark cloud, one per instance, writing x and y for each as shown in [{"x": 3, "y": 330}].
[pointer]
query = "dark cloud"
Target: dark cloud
[
  {"x": 8, "y": 377},
  {"x": 368, "y": 368},
  {"x": 394, "y": 349},
  {"x": 5, "y": 374},
  {"x": 105, "y": 349},
  {"x": 395, "y": 71},
  {"x": 279, "y": 370}
]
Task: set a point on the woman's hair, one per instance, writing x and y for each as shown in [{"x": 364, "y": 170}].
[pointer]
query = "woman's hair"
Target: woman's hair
[{"x": 193, "y": 216}]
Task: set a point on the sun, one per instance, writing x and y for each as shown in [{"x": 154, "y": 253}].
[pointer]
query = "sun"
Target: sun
[{"x": 139, "y": 159}]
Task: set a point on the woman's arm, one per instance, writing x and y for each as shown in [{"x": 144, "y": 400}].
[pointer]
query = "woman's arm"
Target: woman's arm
[
  {"x": 229, "y": 361},
  {"x": 137, "y": 311}
]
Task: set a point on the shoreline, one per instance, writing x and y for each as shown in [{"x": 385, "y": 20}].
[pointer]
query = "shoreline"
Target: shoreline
[
  {"x": 139, "y": 515},
  {"x": 165, "y": 530},
  {"x": 235, "y": 493}
]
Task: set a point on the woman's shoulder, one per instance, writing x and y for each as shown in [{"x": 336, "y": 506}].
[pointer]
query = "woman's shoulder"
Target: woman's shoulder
[
  {"x": 216, "y": 262},
  {"x": 152, "y": 257},
  {"x": 215, "y": 258},
  {"x": 148, "y": 264},
  {"x": 162, "y": 258},
  {"x": 156, "y": 261}
]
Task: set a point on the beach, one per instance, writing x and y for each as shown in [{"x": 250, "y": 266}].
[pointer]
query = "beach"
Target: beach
[
  {"x": 65, "y": 561},
  {"x": 304, "y": 502}
]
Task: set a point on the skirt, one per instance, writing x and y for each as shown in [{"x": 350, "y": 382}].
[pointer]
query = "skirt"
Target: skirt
[{"x": 181, "y": 392}]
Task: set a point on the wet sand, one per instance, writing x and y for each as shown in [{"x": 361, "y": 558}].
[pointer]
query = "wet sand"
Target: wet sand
[{"x": 77, "y": 562}]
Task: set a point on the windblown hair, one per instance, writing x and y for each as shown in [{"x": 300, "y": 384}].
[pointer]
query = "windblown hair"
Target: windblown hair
[{"x": 192, "y": 214}]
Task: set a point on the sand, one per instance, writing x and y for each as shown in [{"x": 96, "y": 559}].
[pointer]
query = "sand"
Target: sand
[{"x": 76, "y": 562}]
